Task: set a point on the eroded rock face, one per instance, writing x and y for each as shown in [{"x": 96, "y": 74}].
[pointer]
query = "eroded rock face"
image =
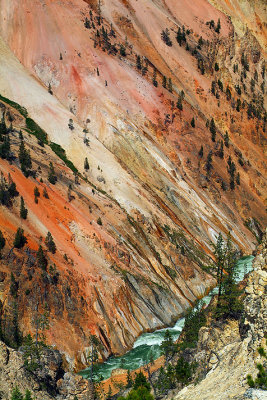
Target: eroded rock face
[
  {"x": 48, "y": 382},
  {"x": 231, "y": 356},
  {"x": 133, "y": 235}
]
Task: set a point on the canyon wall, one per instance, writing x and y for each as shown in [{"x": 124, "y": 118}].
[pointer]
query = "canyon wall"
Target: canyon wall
[{"x": 134, "y": 231}]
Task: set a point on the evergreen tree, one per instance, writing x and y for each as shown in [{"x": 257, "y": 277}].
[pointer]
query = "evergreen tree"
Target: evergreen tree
[
  {"x": 194, "y": 320},
  {"x": 231, "y": 170},
  {"x": 141, "y": 381},
  {"x": 45, "y": 194},
  {"x": 180, "y": 103},
  {"x": 52, "y": 178},
  {"x": 49, "y": 241},
  {"x": 2, "y": 241},
  {"x": 70, "y": 124},
  {"x": 25, "y": 159},
  {"x": 209, "y": 162},
  {"x": 220, "y": 84},
  {"x": 14, "y": 287},
  {"x": 138, "y": 62},
  {"x": 122, "y": 50},
  {"x": 155, "y": 82},
  {"x": 23, "y": 209},
  {"x": 238, "y": 179},
  {"x": 221, "y": 151},
  {"x": 5, "y": 148},
  {"x": 213, "y": 130},
  {"x": 129, "y": 380},
  {"x": 17, "y": 336},
  {"x": 87, "y": 23},
  {"x": 218, "y": 27},
  {"x": 36, "y": 194},
  {"x": 16, "y": 394},
  {"x": 41, "y": 259},
  {"x": 200, "y": 153},
  {"x": 20, "y": 240},
  {"x": 165, "y": 36},
  {"x": 228, "y": 303},
  {"x": 193, "y": 122},
  {"x": 164, "y": 81},
  {"x": 223, "y": 186},
  {"x": 184, "y": 371},
  {"x": 12, "y": 188},
  {"x": 3, "y": 127},
  {"x": 50, "y": 89},
  {"x": 179, "y": 37},
  {"x": 167, "y": 346},
  {"x": 226, "y": 139},
  {"x": 86, "y": 164},
  {"x": 28, "y": 395}
]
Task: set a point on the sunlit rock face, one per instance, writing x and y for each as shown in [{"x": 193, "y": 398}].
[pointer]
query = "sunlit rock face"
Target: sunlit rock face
[{"x": 134, "y": 233}]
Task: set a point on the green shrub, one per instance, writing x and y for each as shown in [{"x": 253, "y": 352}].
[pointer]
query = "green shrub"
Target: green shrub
[
  {"x": 36, "y": 130},
  {"x": 21, "y": 110},
  {"x": 184, "y": 371},
  {"x": 60, "y": 152}
]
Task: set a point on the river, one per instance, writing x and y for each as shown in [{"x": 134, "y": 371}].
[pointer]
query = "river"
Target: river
[{"x": 148, "y": 344}]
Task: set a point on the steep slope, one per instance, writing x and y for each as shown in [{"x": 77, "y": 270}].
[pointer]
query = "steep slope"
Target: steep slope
[
  {"x": 159, "y": 206},
  {"x": 236, "y": 346}
]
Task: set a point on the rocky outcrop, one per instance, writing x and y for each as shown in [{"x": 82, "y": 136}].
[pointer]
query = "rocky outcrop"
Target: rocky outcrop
[
  {"x": 229, "y": 350},
  {"x": 49, "y": 381}
]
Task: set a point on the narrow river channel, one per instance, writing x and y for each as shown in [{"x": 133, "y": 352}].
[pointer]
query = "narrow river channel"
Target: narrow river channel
[{"x": 148, "y": 344}]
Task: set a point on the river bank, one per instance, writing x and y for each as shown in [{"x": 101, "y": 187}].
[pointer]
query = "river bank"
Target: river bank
[{"x": 147, "y": 346}]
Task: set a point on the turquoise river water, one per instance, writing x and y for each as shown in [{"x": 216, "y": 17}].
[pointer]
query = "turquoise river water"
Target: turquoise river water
[{"x": 148, "y": 344}]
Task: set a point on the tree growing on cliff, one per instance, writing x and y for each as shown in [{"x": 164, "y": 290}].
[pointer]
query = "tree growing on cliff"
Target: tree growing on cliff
[
  {"x": 16, "y": 394},
  {"x": 209, "y": 162},
  {"x": 168, "y": 347},
  {"x": 226, "y": 139},
  {"x": 213, "y": 130},
  {"x": 20, "y": 240},
  {"x": 228, "y": 303},
  {"x": 129, "y": 383},
  {"x": 179, "y": 103},
  {"x": 23, "y": 209},
  {"x": 28, "y": 395},
  {"x": 24, "y": 159},
  {"x": 49, "y": 241},
  {"x": 154, "y": 80},
  {"x": 41, "y": 258},
  {"x": 221, "y": 151},
  {"x": 218, "y": 26},
  {"x": 165, "y": 36},
  {"x": 36, "y": 194},
  {"x": 3, "y": 127},
  {"x": 2, "y": 242},
  {"x": 52, "y": 178},
  {"x": 86, "y": 164},
  {"x": 5, "y": 147}
]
